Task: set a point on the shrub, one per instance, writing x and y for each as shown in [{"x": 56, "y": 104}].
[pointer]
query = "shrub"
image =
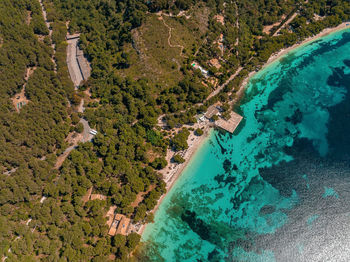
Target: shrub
[
  {"x": 179, "y": 141},
  {"x": 159, "y": 163},
  {"x": 178, "y": 159},
  {"x": 79, "y": 128},
  {"x": 198, "y": 132}
]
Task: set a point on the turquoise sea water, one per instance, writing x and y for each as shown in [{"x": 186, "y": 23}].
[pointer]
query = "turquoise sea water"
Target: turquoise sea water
[{"x": 279, "y": 188}]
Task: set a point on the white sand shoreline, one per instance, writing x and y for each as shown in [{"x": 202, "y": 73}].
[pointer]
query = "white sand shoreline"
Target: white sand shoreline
[
  {"x": 171, "y": 173},
  {"x": 275, "y": 57},
  {"x": 308, "y": 40}
]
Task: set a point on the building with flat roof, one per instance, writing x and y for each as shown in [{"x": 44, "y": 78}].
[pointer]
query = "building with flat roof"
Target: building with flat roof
[
  {"x": 231, "y": 124},
  {"x": 212, "y": 111},
  {"x": 120, "y": 225},
  {"x": 204, "y": 72}
]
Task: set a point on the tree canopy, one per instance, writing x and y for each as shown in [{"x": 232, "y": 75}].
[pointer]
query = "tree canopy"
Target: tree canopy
[{"x": 44, "y": 212}]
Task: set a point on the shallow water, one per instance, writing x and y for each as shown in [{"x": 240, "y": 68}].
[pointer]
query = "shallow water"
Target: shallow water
[{"x": 279, "y": 188}]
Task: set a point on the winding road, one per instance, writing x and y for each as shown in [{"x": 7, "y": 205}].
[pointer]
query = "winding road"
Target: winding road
[{"x": 169, "y": 42}]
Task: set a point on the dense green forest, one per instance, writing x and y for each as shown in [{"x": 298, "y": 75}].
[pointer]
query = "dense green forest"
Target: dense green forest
[{"x": 126, "y": 100}]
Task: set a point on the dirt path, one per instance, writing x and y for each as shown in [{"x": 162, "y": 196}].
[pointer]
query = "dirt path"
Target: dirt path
[
  {"x": 204, "y": 41},
  {"x": 181, "y": 13},
  {"x": 81, "y": 108},
  {"x": 237, "y": 25},
  {"x": 29, "y": 17},
  {"x": 48, "y": 25},
  {"x": 76, "y": 77},
  {"x": 140, "y": 196},
  {"x": 285, "y": 24},
  {"x": 63, "y": 156},
  {"x": 217, "y": 90},
  {"x": 20, "y": 98},
  {"x": 86, "y": 133},
  {"x": 84, "y": 137},
  {"x": 214, "y": 93},
  {"x": 169, "y": 37}
]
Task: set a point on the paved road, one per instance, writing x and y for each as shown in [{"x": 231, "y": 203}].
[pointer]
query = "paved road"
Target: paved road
[
  {"x": 72, "y": 62},
  {"x": 86, "y": 135},
  {"x": 214, "y": 93},
  {"x": 217, "y": 90},
  {"x": 286, "y": 24}
]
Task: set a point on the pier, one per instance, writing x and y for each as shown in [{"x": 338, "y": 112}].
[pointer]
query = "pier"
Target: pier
[{"x": 231, "y": 124}]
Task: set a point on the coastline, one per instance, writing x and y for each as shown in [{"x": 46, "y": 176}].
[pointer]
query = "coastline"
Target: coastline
[
  {"x": 172, "y": 171},
  {"x": 308, "y": 40},
  {"x": 284, "y": 51}
]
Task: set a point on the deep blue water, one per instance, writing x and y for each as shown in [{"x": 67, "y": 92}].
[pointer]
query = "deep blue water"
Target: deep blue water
[{"x": 279, "y": 188}]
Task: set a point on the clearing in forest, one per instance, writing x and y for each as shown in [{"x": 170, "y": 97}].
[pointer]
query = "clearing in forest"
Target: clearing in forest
[
  {"x": 268, "y": 28},
  {"x": 220, "y": 19},
  {"x": 19, "y": 100},
  {"x": 140, "y": 196},
  {"x": 286, "y": 24},
  {"x": 156, "y": 50}
]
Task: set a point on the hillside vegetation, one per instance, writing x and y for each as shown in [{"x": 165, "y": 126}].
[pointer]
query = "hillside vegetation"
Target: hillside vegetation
[{"x": 141, "y": 53}]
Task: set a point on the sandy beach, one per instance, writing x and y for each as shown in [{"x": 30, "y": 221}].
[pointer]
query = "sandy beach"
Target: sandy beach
[
  {"x": 173, "y": 171},
  {"x": 308, "y": 40},
  {"x": 275, "y": 57}
]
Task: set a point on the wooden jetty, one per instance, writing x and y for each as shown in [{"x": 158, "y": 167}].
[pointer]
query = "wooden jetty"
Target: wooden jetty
[{"x": 231, "y": 124}]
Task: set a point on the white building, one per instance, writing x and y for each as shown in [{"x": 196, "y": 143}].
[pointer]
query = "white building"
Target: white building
[{"x": 93, "y": 132}]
